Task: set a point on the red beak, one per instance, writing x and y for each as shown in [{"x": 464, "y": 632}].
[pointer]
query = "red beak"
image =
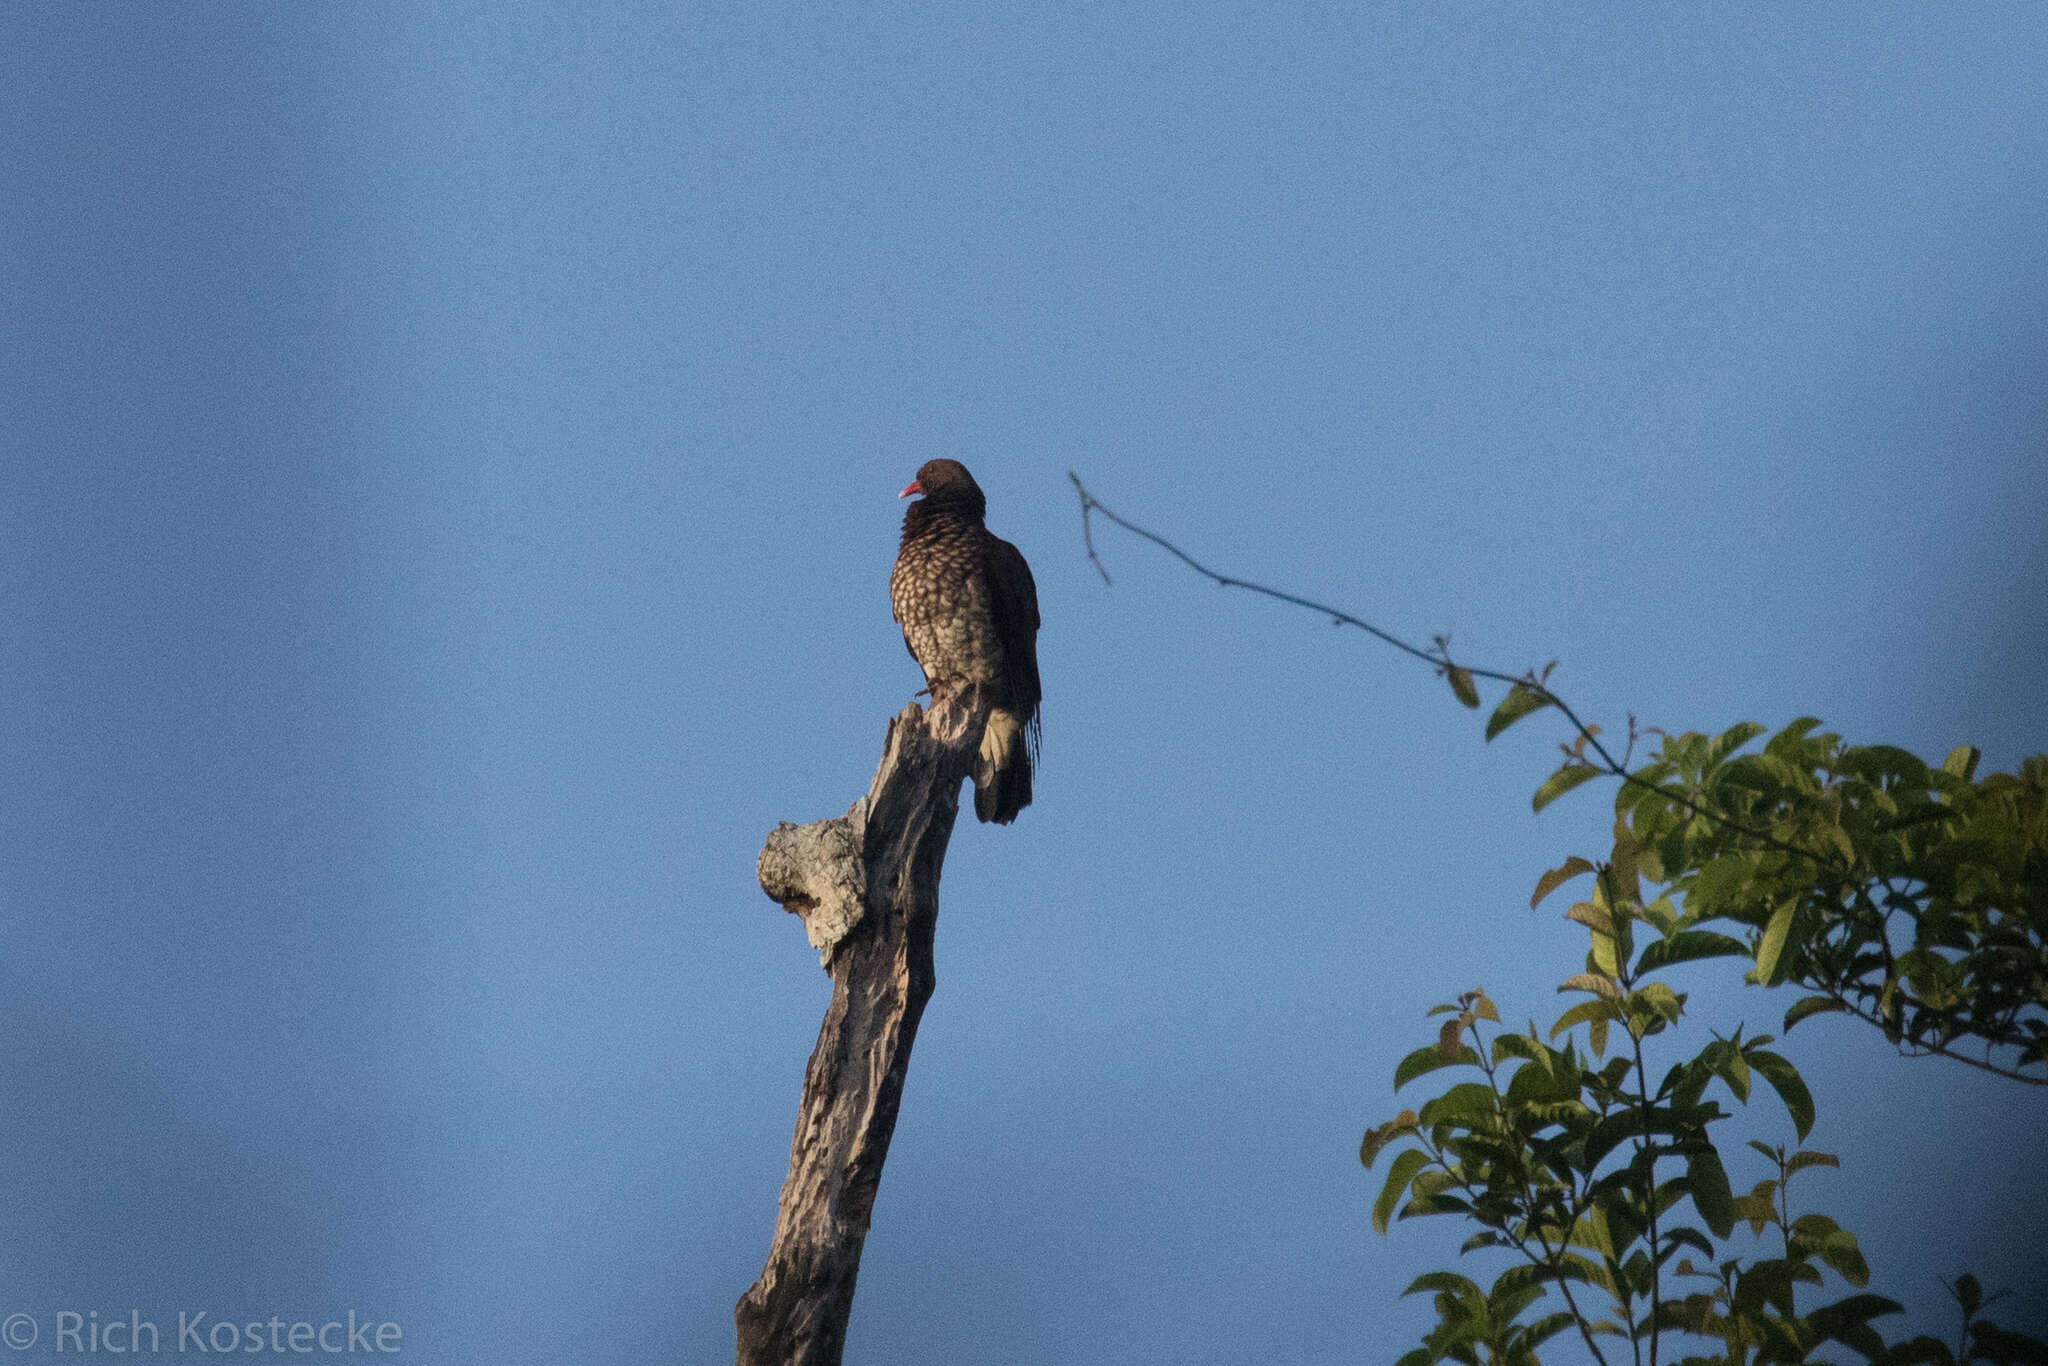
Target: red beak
[{"x": 913, "y": 488}]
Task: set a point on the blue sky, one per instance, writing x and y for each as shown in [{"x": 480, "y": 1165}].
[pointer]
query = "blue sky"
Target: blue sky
[{"x": 448, "y": 460}]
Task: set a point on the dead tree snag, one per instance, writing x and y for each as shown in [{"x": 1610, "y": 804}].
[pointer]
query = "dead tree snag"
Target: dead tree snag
[{"x": 867, "y": 887}]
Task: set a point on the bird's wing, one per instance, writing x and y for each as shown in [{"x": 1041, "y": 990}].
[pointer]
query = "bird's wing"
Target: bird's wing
[{"x": 1013, "y": 602}]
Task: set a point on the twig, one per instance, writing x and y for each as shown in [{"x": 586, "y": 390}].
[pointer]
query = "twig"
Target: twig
[
  {"x": 1530, "y": 681},
  {"x": 1441, "y": 660}
]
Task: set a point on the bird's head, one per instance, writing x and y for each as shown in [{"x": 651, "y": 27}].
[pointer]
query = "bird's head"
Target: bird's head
[{"x": 947, "y": 482}]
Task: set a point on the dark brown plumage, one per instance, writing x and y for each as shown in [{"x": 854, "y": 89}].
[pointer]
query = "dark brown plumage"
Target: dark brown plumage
[{"x": 969, "y": 613}]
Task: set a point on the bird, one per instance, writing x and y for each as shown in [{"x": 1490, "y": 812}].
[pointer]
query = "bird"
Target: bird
[{"x": 969, "y": 613}]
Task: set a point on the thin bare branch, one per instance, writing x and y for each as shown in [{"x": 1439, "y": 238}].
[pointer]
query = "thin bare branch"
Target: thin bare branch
[
  {"x": 1439, "y": 658},
  {"x": 1588, "y": 736}
]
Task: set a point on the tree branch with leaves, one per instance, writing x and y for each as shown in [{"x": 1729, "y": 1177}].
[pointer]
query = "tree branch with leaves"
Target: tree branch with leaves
[{"x": 1910, "y": 896}]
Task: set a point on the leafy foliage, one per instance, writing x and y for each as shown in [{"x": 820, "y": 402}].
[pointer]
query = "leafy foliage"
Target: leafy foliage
[
  {"x": 1599, "y": 1173},
  {"x": 1909, "y": 896},
  {"x": 1919, "y": 900}
]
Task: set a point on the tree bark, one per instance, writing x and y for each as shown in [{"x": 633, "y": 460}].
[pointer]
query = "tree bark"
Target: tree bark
[{"x": 867, "y": 887}]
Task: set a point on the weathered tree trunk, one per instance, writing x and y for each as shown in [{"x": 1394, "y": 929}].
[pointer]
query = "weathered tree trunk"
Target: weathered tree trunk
[{"x": 867, "y": 887}]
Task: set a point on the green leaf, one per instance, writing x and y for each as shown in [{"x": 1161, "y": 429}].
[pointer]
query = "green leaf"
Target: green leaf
[
  {"x": 1557, "y": 877},
  {"x": 1772, "y": 947},
  {"x": 1732, "y": 739},
  {"x": 1989, "y": 1342},
  {"x": 1448, "y": 1038},
  {"x": 1520, "y": 701},
  {"x": 1428, "y": 1196},
  {"x": 1406, "y": 1163},
  {"x": 1799, "y": 1162},
  {"x": 1687, "y": 945},
  {"x": 1768, "y": 1282},
  {"x": 1467, "y": 1101},
  {"x": 1376, "y": 1139},
  {"x": 1919, "y": 1351},
  {"x": 1602, "y": 955},
  {"x": 1808, "y": 1006},
  {"x": 1833, "y": 1245},
  {"x": 1593, "y": 917},
  {"x": 1532, "y": 1086},
  {"x": 1726, "y": 1062},
  {"x": 1720, "y": 884},
  {"x": 1790, "y": 1086},
  {"x": 1428, "y": 1058},
  {"x": 1547, "y": 1327},
  {"x": 1462, "y": 685},
  {"x": 1708, "y": 1181},
  {"x": 1512, "y": 1293},
  {"x": 1582, "y": 1013},
  {"x": 1691, "y": 1237},
  {"x": 1961, "y": 761},
  {"x": 1600, "y": 985},
  {"x": 1446, "y": 1283},
  {"x": 1654, "y": 1001},
  {"x": 1756, "y": 1207},
  {"x": 1860, "y": 1309},
  {"x": 1507, "y": 1046},
  {"x": 1847, "y": 1321},
  {"x": 1789, "y": 740},
  {"x": 1625, "y": 1124},
  {"x": 1564, "y": 780}
]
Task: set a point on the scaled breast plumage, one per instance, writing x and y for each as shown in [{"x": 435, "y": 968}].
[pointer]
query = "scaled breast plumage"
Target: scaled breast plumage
[{"x": 969, "y": 612}]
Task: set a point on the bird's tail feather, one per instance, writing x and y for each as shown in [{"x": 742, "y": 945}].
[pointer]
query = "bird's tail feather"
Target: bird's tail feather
[{"x": 1002, "y": 770}]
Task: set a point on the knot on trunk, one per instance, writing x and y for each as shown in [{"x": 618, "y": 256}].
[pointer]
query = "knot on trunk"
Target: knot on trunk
[
  {"x": 820, "y": 871},
  {"x": 816, "y": 871}
]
